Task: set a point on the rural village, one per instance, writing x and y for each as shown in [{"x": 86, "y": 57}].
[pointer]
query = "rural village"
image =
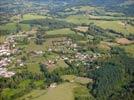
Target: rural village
[{"x": 66, "y": 50}]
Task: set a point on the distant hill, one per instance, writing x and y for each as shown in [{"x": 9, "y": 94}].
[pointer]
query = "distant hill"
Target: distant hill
[
  {"x": 94, "y": 2},
  {"x": 125, "y": 6}
]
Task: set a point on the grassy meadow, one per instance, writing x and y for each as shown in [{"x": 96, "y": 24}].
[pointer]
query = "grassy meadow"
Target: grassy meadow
[
  {"x": 118, "y": 25},
  {"x": 64, "y": 91}
]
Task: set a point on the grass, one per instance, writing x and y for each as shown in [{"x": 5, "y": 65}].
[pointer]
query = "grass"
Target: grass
[
  {"x": 61, "y": 92},
  {"x": 75, "y": 79},
  {"x": 12, "y": 27},
  {"x": 60, "y": 31},
  {"x": 68, "y": 77},
  {"x": 8, "y": 93},
  {"x": 34, "y": 94},
  {"x": 103, "y": 46},
  {"x": 39, "y": 83},
  {"x": 32, "y": 46},
  {"x": 60, "y": 63},
  {"x": 25, "y": 27},
  {"x": 82, "y": 80},
  {"x": 82, "y": 91},
  {"x": 115, "y": 25},
  {"x": 44, "y": 47},
  {"x": 85, "y": 8},
  {"x": 32, "y": 17},
  {"x": 8, "y": 26},
  {"x": 129, "y": 49},
  {"x": 33, "y": 67},
  {"x": 77, "y": 19},
  {"x": 64, "y": 91}
]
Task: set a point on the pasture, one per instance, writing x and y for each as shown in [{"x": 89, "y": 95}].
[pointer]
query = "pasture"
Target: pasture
[
  {"x": 12, "y": 27},
  {"x": 63, "y": 31},
  {"x": 117, "y": 25},
  {"x": 129, "y": 49},
  {"x": 32, "y": 17},
  {"x": 61, "y": 92},
  {"x": 75, "y": 79}
]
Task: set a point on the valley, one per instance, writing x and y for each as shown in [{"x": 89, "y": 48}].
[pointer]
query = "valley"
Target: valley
[{"x": 66, "y": 50}]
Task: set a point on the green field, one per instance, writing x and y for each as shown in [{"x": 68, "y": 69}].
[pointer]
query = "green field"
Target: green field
[
  {"x": 77, "y": 19},
  {"x": 61, "y": 92},
  {"x": 129, "y": 49},
  {"x": 115, "y": 25},
  {"x": 75, "y": 79},
  {"x": 64, "y": 91},
  {"x": 60, "y": 31},
  {"x": 33, "y": 67},
  {"x": 13, "y": 26},
  {"x": 34, "y": 94},
  {"x": 32, "y": 17},
  {"x": 85, "y": 8},
  {"x": 8, "y": 26}
]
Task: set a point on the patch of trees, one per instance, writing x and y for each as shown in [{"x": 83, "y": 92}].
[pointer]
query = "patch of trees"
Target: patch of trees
[
  {"x": 4, "y": 32},
  {"x": 13, "y": 84},
  {"x": 131, "y": 22},
  {"x": 130, "y": 36},
  {"x": 107, "y": 80},
  {"x": 50, "y": 23},
  {"x": 125, "y": 94},
  {"x": 114, "y": 78},
  {"x": 40, "y": 37},
  {"x": 3, "y": 19},
  {"x": 50, "y": 77},
  {"x": 22, "y": 40},
  {"x": 97, "y": 31},
  {"x": 114, "y": 32},
  {"x": 74, "y": 37}
]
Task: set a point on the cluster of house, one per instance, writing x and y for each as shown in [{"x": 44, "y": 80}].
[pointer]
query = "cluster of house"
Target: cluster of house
[
  {"x": 6, "y": 49},
  {"x": 63, "y": 45},
  {"x": 86, "y": 57},
  {"x": 5, "y": 73},
  {"x": 65, "y": 42},
  {"x": 77, "y": 56},
  {"x": 4, "y": 62}
]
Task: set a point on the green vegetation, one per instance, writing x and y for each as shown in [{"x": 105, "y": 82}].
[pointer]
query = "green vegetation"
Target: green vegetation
[
  {"x": 64, "y": 31},
  {"x": 61, "y": 92},
  {"x": 129, "y": 49},
  {"x": 66, "y": 50},
  {"x": 32, "y": 17},
  {"x": 118, "y": 26},
  {"x": 12, "y": 27},
  {"x": 72, "y": 78}
]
